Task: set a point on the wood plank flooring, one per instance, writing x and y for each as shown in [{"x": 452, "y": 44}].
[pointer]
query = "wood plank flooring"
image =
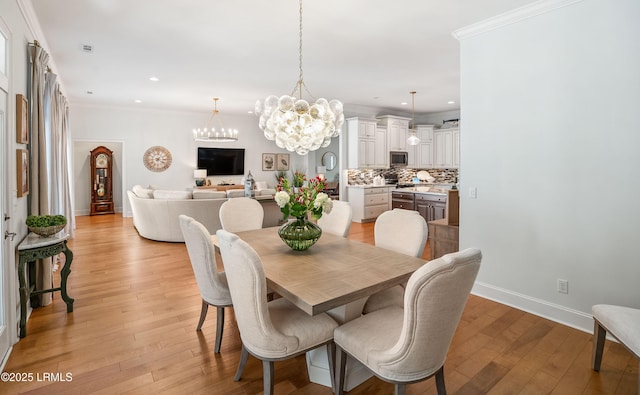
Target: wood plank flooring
[{"x": 137, "y": 305}]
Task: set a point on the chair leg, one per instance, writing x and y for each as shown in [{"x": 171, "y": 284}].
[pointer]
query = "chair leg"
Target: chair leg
[
  {"x": 244, "y": 355},
  {"x": 401, "y": 389},
  {"x": 442, "y": 390},
  {"x": 203, "y": 314},
  {"x": 331, "y": 353},
  {"x": 341, "y": 364},
  {"x": 219, "y": 328},
  {"x": 599, "y": 336},
  {"x": 267, "y": 377}
]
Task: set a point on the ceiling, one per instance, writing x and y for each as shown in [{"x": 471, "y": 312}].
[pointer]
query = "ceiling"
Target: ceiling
[{"x": 362, "y": 52}]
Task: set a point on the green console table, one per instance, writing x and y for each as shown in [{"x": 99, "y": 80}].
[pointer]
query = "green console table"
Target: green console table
[{"x": 35, "y": 247}]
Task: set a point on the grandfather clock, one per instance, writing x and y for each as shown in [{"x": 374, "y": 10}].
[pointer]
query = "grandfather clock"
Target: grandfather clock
[{"x": 101, "y": 181}]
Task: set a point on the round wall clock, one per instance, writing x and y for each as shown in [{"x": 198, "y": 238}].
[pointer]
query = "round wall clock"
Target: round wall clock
[{"x": 157, "y": 159}]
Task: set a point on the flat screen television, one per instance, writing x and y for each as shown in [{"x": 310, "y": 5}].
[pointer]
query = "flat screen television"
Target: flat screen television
[{"x": 221, "y": 161}]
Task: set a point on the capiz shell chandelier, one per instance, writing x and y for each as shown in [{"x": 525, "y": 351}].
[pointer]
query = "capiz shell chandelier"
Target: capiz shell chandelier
[{"x": 296, "y": 125}]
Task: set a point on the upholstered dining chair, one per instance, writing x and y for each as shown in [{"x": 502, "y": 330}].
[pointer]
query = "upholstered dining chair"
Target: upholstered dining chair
[
  {"x": 240, "y": 214},
  {"x": 403, "y": 231},
  {"x": 338, "y": 221},
  {"x": 623, "y": 323},
  {"x": 270, "y": 331},
  {"x": 212, "y": 284},
  {"x": 410, "y": 344}
]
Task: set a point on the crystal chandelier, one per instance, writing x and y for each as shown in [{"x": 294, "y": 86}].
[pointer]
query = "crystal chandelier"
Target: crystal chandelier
[
  {"x": 209, "y": 133},
  {"x": 295, "y": 124},
  {"x": 413, "y": 139}
]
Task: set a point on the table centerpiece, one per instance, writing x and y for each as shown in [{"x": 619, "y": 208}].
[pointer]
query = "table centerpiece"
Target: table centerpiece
[
  {"x": 301, "y": 202},
  {"x": 46, "y": 225}
]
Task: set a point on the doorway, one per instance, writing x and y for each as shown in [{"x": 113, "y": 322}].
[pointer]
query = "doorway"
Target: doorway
[{"x": 7, "y": 265}]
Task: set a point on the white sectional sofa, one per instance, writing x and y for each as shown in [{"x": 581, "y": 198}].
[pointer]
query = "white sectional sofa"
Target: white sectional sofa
[{"x": 155, "y": 212}]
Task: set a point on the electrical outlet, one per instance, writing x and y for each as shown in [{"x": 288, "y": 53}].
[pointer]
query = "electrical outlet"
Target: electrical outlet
[{"x": 563, "y": 286}]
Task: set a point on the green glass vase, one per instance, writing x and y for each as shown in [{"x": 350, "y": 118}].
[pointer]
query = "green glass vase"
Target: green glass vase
[{"x": 300, "y": 234}]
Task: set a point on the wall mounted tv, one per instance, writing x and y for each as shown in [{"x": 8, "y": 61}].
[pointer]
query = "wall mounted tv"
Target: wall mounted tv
[{"x": 221, "y": 161}]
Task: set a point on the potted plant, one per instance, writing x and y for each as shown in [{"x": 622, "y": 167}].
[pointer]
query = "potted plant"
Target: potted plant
[{"x": 46, "y": 225}]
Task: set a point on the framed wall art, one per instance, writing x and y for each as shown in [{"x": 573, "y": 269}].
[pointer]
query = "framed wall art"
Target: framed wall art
[
  {"x": 268, "y": 162},
  {"x": 22, "y": 120},
  {"x": 282, "y": 162},
  {"x": 22, "y": 170}
]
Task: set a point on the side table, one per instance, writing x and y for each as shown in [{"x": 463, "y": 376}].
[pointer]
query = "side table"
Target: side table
[{"x": 35, "y": 247}]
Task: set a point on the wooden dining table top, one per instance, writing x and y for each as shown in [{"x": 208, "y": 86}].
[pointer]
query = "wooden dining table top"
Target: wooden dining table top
[{"x": 333, "y": 272}]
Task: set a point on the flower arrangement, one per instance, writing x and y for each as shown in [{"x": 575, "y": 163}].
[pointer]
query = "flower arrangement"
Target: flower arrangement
[
  {"x": 298, "y": 179},
  {"x": 305, "y": 199}
]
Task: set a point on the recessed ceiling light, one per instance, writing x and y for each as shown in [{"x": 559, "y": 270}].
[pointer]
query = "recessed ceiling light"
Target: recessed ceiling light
[
  {"x": 154, "y": 79},
  {"x": 138, "y": 101},
  {"x": 404, "y": 103},
  {"x": 250, "y": 112},
  {"x": 451, "y": 102}
]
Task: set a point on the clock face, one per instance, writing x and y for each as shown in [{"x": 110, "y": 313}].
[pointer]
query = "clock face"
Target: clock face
[
  {"x": 157, "y": 159},
  {"x": 102, "y": 161}
]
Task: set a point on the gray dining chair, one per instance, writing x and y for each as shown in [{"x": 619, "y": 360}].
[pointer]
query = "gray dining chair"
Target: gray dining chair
[
  {"x": 410, "y": 344},
  {"x": 403, "y": 231},
  {"x": 338, "y": 221},
  {"x": 240, "y": 214},
  {"x": 270, "y": 331},
  {"x": 623, "y": 323},
  {"x": 212, "y": 284}
]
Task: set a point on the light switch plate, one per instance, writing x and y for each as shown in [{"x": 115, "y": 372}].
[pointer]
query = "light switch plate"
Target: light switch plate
[{"x": 473, "y": 192}]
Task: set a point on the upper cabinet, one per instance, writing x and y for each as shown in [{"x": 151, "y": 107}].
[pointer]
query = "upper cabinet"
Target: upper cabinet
[
  {"x": 446, "y": 148},
  {"x": 421, "y": 155},
  {"x": 367, "y": 144},
  {"x": 397, "y": 131}
]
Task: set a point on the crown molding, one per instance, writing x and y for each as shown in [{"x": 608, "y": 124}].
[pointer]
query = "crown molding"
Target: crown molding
[{"x": 510, "y": 17}]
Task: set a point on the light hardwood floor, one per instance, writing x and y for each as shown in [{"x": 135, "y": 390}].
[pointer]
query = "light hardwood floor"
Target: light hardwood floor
[{"x": 137, "y": 305}]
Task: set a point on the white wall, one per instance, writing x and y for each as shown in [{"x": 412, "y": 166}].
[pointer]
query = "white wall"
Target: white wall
[
  {"x": 550, "y": 140},
  {"x": 140, "y": 129}
]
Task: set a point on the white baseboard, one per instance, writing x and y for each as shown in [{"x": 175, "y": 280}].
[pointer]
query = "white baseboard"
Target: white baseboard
[{"x": 551, "y": 311}]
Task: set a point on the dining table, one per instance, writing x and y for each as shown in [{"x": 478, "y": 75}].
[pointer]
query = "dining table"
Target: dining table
[{"x": 336, "y": 275}]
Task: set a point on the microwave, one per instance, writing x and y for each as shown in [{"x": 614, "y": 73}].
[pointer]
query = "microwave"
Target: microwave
[{"x": 398, "y": 158}]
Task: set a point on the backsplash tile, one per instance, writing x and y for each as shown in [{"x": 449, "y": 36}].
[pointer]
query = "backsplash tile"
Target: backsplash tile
[{"x": 404, "y": 175}]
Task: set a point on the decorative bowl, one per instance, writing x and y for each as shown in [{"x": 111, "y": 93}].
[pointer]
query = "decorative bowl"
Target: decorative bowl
[{"x": 46, "y": 231}]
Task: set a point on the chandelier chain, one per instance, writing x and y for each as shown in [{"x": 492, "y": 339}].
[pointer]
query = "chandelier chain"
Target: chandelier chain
[
  {"x": 300, "y": 83},
  {"x": 300, "y": 79}
]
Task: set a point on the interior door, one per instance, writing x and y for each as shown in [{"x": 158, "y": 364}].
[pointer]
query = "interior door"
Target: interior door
[{"x": 6, "y": 259}]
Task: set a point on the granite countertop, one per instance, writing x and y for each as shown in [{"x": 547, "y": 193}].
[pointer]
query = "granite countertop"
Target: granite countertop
[
  {"x": 370, "y": 186},
  {"x": 423, "y": 189}
]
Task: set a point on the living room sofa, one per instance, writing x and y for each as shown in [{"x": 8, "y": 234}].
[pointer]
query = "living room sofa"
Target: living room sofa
[{"x": 156, "y": 212}]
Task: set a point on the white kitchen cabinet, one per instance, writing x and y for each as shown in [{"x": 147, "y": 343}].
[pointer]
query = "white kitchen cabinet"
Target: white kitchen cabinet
[
  {"x": 368, "y": 203},
  {"x": 367, "y": 144},
  {"x": 423, "y": 152},
  {"x": 397, "y": 131},
  {"x": 446, "y": 148},
  {"x": 456, "y": 148}
]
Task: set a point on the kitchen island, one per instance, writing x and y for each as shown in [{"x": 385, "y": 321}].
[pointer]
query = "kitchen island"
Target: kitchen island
[{"x": 429, "y": 201}]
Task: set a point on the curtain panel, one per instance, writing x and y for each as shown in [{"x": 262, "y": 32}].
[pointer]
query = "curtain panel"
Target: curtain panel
[{"x": 50, "y": 142}]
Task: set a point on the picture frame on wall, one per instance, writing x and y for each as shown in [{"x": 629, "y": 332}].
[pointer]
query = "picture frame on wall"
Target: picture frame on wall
[
  {"x": 22, "y": 119},
  {"x": 282, "y": 162},
  {"x": 268, "y": 162},
  {"x": 22, "y": 170}
]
